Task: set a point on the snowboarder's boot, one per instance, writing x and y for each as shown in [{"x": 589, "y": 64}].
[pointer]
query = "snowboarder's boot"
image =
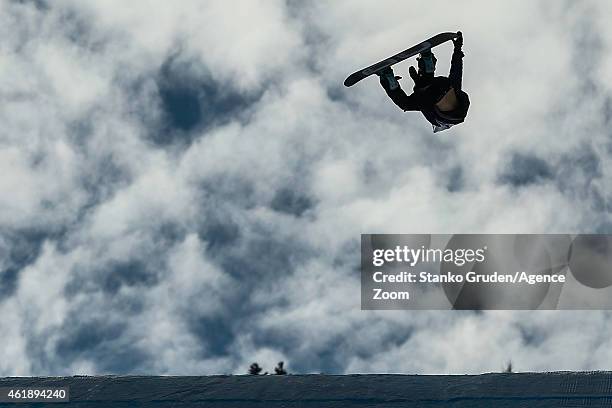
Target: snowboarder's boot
[
  {"x": 388, "y": 79},
  {"x": 426, "y": 63}
]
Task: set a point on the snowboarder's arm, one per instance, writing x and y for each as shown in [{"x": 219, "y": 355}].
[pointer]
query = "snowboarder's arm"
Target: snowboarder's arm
[{"x": 456, "y": 70}]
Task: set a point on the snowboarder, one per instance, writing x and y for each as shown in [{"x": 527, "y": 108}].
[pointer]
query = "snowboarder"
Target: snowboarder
[{"x": 440, "y": 99}]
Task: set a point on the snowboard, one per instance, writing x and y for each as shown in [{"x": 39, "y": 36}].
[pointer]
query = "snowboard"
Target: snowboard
[{"x": 379, "y": 66}]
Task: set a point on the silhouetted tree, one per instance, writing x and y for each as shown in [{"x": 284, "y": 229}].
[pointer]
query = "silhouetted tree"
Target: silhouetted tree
[
  {"x": 279, "y": 370},
  {"x": 255, "y": 369}
]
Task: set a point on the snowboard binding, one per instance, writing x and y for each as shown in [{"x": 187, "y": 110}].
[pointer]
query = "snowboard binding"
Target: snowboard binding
[
  {"x": 388, "y": 79},
  {"x": 427, "y": 63}
]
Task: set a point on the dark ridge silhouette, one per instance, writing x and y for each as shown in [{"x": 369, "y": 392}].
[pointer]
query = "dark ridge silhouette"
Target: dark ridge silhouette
[{"x": 498, "y": 390}]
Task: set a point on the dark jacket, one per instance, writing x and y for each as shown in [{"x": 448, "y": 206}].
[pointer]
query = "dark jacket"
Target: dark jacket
[{"x": 429, "y": 90}]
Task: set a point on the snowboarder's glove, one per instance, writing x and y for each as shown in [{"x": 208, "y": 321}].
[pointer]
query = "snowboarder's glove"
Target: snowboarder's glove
[
  {"x": 458, "y": 41},
  {"x": 413, "y": 74},
  {"x": 388, "y": 80},
  {"x": 418, "y": 79}
]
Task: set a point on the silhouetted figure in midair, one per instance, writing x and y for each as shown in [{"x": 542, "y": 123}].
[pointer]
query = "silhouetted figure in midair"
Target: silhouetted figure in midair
[{"x": 440, "y": 99}]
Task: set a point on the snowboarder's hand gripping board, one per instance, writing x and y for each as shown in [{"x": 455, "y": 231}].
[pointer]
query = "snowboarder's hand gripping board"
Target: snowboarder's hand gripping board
[{"x": 412, "y": 51}]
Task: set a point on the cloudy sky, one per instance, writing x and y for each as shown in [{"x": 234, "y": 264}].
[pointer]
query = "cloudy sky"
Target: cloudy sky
[{"x": 184, "y": 184}]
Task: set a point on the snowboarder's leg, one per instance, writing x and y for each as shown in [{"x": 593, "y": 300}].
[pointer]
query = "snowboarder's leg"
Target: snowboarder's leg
[
  {"x": 389, "y": 82},
  {"x": 427, "y": 65}
]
